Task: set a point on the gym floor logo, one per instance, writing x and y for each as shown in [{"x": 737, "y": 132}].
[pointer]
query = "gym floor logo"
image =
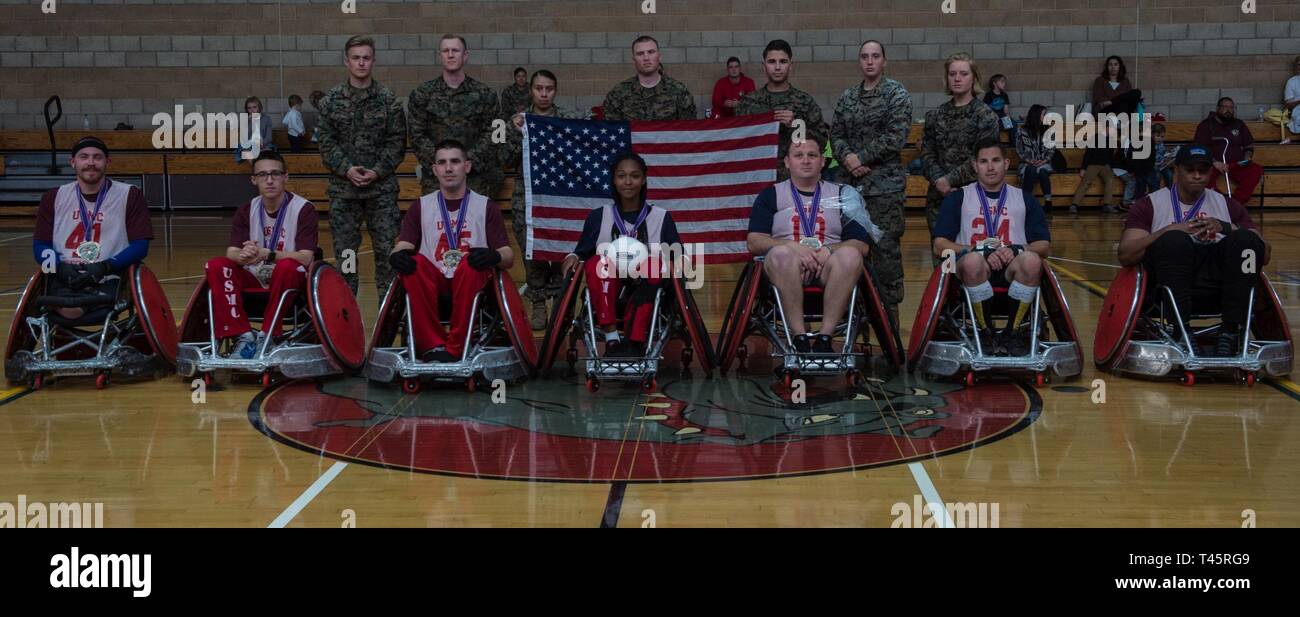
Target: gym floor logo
[{"x": 728, "y": 428}]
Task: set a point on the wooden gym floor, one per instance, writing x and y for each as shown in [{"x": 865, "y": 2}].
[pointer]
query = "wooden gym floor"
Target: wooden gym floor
[{"x": 698, "y": 453}]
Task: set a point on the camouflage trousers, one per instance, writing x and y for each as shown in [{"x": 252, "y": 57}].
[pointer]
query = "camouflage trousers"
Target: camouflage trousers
[
  {"x": 544, "y": 277},
  {"x": 485, "y": 182},
  {"x": 384, "y": 220},
  {"x": 933, "y": 199},
  {"x": 886, "y": 212}
]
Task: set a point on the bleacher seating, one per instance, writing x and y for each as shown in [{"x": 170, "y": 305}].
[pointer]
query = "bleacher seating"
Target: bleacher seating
[{"x": 26, "y": 153}]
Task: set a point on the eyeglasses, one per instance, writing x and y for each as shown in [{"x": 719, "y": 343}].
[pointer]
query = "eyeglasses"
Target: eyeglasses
[{"x": 263, "y": 175}]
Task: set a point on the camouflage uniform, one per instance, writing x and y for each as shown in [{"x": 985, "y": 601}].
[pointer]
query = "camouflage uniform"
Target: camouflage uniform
[
  {"x": 874, "y": 125},
  {"x": 948, "y": 144},
  {"x": 794, "y": 99},
  {"x": 668, "y": 100},
  {"x": 514, "y": 99},
  {"x": 543, "y": 276},
  {"x": 464, "y": 113},
  {"x": 366, "y": 128}
]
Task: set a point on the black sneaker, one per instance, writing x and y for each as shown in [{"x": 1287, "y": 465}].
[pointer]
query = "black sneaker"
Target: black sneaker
[
  {"x": 822, "y": 344},
  {"x": 802, "y": 343},
  {"x": 632, "y": 349},
  {"x": 988, "y": 343},
  {"x": 1229, "y": 343},
  {"x": 438, "y": 354},
  {"x": 1016, "y": 342},
  {"x": 614, "y": 348}
]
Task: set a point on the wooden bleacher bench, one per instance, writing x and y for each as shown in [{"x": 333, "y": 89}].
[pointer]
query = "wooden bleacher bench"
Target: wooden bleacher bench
[{"x": 133, "y": 154}]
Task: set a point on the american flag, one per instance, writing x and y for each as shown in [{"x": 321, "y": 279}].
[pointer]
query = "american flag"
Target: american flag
[{"x": 705, "y": 172}]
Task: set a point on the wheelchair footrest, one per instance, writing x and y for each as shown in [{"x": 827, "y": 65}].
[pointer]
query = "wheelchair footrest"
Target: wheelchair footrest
[
  {"x": 294, "y": 361},
  {"x": 388, "y": 363},
  {"x": 1156, "y": 358},
  {"x": 946, "y": 358}
]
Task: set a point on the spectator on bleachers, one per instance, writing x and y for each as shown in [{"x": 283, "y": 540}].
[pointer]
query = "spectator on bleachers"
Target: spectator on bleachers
[
  {"x": 1138, "y": 175},
  {"x": 1036, "y": 156},
  {"x": 293, "y": 123},
  {"x": 316, "y": 96},
  {"x": 1097, "y": 162},
  {"x": 1291, "y": 100},
  {"x": 1000, "y": 102},
  {"x": 1112, "y": 92},
  {"x": 1229, "y": 139},
  {"x": 253, "y": 105},
  {"x": 728, "y": 90}
]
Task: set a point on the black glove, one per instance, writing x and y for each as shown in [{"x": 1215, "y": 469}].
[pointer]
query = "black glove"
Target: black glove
[
  {"x": 66, "y": 273},
  {"x": 91, "y": 274},
  {"x": 482, "y": 258},
  {"x": 403, "y": 261}
]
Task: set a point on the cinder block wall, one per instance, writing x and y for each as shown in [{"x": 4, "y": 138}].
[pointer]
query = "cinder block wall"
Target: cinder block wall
[{"x": 124, "y": 60}]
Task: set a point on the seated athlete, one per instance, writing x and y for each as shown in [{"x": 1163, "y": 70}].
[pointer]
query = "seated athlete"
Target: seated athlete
[
  {"x": 810, "y": 231},
  {"x": 89, "y": 231},
  {"x": 450, "y": 242},
  {"x": 1193, "y": 239},
  {"x": 1011, "y": 257},
  {"x": 272, "y": 242},
  {"x": 630, "y": 215}
]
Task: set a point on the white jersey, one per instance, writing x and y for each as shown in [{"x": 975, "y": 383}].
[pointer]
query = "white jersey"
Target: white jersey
[
  {"x": 1162, "y": 214},
  {"x": 1011, "y": 225},
  {"x": 109, "y": 228},
  {"x": 260, "y": 226},
  {"x": 473, "y": 232}
]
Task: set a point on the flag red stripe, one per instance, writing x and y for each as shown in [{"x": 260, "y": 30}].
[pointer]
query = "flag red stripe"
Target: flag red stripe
[
  {"x": 701, "y": 192},
  {"x": 720, "y": 145},
  {"x": 695, "y": 125},
  {"x": 729, "y": 167}
]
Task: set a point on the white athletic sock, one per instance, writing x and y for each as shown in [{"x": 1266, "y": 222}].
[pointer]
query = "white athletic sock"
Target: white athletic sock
[
  {"x": 1020, "y": 291},
  {"x": 981, "y": 292},
  {"x": 611, "y": 336}
]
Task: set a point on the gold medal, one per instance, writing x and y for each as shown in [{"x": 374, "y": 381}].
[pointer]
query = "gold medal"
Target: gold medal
[
  {"x": 812, "y": 243},
  {"x": 88, "y": 251},
  {"x": 451, "y": 258}
]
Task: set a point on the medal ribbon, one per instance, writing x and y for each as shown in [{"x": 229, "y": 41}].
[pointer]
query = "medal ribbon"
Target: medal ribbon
[
  {"x": 446, "y": 220},
  {"x": 271, "y": 242},
  {"x": 622, "y": 226},
  {"x": 808, "y": 220},
  {"x": 88, "y": 220},
  {"x": 1177, "y": 205},
  {"x": 991, "y": 220}
]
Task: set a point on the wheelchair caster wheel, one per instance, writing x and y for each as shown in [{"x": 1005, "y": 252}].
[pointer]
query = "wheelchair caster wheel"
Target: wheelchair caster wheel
[
  {"x": 788, "y": 379},
  {"x": 571, "y": 355},
  {"x": 970, "y": 379},
  {"x": 1249, "y": 378},
  {"x": 38, "y": 381},
  {"x": 101, "y": 381},
  {"x": 266, "y": 379},
  {"x": 688, "y": 354},
  {"x": 207, "y": 378},
  {"x": 742, "y": 352},
  {"x": 411, "y": 385},
  {"x": 650, "y": 385},
  {"x": 592, "y": 384},
  {"x": 1189, "y": 378},
  {"x": 1040, "y": 380}
]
